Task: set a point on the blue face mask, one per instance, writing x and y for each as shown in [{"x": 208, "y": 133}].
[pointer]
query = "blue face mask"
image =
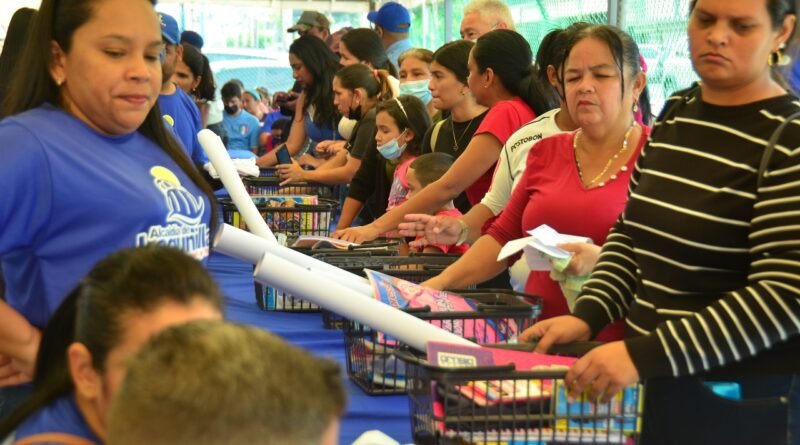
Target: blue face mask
[
  {"x": 418, "y": 88},
  {"x": 392, "y": 150}
]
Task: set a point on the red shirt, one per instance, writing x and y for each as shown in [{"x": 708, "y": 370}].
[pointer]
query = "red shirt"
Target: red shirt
[
  {"x": 503, "y": 119},
  {"x": 551, "y": 192}
]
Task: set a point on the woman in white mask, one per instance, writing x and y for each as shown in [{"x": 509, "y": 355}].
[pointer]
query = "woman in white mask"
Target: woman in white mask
[{"x": 415, "y": 76}]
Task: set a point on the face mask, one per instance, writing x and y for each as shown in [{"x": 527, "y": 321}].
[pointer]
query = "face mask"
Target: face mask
[
  {"x": 418, "y": 88},
  {"x": 346, "y": 127},
  {"x": 392, "y": 150},
  {"x": 231, "y": 110},
  {"x": 354, "y": 113}
]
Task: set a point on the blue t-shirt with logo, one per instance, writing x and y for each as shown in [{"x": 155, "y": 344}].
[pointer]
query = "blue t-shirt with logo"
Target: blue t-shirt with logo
[
  {"x": 242, "y": 130},
  {"x": 61, "y": 416},
  {"x": 182, "y": 115},
  {"x": 72, "y": 196}
]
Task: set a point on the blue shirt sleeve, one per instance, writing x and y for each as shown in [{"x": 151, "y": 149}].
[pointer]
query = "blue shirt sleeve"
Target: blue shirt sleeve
[
  {"x": 255, "y": 130},
  {"x": 25, "y": 180}
]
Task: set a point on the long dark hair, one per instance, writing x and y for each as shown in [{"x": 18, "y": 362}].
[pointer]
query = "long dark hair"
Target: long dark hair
[
  {"x": 413, "y": 115},
  {"x": 12, "y": 46},
  {"x": 322, "y": 63},
  {"x": 33, "y": 86},
  {"x": 455, "y": 57},
  {"x": 625, "y": 52},
  {"x": 199, "y": 66},
  {"x": 366, "y": 45},
  {"x": 207, "y": 89},
  {"x": 128, "y": 281},
  {"x": 508, "y": 54}
]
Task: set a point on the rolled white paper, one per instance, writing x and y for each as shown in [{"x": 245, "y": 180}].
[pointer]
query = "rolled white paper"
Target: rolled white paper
[
  {"x": 307, "y": 284},
  {"x": 218, "y": 155},
  {"x": 247, "y": 247}
]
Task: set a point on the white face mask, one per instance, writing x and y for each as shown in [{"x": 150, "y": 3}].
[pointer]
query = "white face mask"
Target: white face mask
[{"x": 346, "y": 128}]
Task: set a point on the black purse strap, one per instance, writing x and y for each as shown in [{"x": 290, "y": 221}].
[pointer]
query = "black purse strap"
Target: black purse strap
[{"x": 773, "y": 141}]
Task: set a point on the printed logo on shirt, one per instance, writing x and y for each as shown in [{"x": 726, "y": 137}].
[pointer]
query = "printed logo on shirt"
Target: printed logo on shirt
[
  {"x": 243, "y": 129},
  {"x": 169, "y": 120},
  {"x": 185, "y": 228},
  {"x": 525, "y": 140}
]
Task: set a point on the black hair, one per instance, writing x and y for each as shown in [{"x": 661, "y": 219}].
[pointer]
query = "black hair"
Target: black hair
[
  {"x": 414, "y": 115},
  {"x": 231, "y": 89},
  {"x": 200, "y": 68},
  {"x": 374, "y": 82},
  {"x": 455, "y": 56},
  {"x": 366, "y": 46},
  {"x": 322, "y": 63},
  {"x": 32, "y": 84},
  {"x": 509, "y": 56},
  {"x": 137, "y": 279},
  {"x": 429, "y": 167},
  {"x": 15, "y": 41},
  {"x": 625, "y": 53}
]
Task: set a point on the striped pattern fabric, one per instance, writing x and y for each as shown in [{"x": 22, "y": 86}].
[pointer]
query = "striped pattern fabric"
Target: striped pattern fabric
[{"x": 705, "y": 268}]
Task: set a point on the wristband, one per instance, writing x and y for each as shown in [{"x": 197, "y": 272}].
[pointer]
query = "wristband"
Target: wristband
[{"x": 462, "y": 236}]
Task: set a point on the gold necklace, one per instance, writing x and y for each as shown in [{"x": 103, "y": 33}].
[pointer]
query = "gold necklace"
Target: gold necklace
[
  {"x": 611, "y": 160},
  {"x": 453, "y": 129}
]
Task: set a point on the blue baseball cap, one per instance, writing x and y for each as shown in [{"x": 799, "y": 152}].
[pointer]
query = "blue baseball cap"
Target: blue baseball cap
[
  {"x": 392, "y": 16},
  {"x": 169, "y": 28},
  {"x": 192, "y": 38}
]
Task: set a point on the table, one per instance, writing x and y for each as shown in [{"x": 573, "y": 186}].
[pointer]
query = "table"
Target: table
[{"x": 389, "y": 414}]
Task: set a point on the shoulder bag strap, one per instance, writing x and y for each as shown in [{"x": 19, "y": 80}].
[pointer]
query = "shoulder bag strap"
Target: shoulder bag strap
[
  {"x": 435, "y": 135},
  {"x": 773, "y": 141}
]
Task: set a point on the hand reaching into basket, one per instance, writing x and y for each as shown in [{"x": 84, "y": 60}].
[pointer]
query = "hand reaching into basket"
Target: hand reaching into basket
[
  {"x": 290, "y": 173},
  {"x": 328, "y": 149},
  {"x": 441, "y": 230},
  {"x": 358, "y": 235}
]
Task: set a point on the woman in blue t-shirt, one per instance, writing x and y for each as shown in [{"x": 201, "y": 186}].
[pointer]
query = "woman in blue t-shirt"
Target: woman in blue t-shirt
[
  {"x": 315, "y": 118},
  {"x": 126, "y": 298},
  {"x": 88, "y": 165}
]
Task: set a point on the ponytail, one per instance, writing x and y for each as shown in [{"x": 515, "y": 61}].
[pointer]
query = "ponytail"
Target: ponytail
[
  {"x": 385, "y": 91},
  {"x": 376, "y": 83}
]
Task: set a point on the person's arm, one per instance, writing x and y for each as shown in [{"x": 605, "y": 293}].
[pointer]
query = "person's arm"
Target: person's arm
[
  {"x": 444, "y": 230},
  {"x": 291, "y": 173},
  {"x": 350, "y": 210},
  {"x": 19, "y": 344},
  {"x": 203, "y": 107},
  {"x": 297, "y": 136},
  {"x": 477, "y": 265},
  {"x": 480, "y": 155}
]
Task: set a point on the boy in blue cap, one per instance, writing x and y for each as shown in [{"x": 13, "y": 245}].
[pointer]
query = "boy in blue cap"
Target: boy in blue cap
[{"x": 392, "y": 22}]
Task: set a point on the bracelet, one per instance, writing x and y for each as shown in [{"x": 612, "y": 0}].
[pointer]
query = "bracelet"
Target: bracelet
[{"x": 462, "y": 236}]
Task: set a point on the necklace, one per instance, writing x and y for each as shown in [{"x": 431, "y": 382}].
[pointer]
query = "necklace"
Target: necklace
[
  {"x": 457, "y": 140},
  {"x": 611, "y": 160}
]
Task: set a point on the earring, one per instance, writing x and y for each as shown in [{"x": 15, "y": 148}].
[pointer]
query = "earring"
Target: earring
[
  {"x": 777, "y": 58},
  {"x": 636, "y": 106},
  {"x": 59, "y": 81}
]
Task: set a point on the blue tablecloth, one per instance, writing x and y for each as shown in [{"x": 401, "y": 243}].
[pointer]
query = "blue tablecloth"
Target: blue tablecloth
[{"x": 386, "y": 413}]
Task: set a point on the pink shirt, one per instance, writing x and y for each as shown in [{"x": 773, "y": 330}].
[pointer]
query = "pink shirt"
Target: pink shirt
[
  {"x": 551, "y": 192},
  {"x": 503, "y": 119},
  {"x": 398, "y": 193}
]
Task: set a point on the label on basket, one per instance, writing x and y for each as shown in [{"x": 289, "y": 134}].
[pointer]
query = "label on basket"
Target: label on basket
[{"x": 404, "y": 294}]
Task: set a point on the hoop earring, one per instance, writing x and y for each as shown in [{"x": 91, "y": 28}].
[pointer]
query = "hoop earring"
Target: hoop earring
[{"x": 777, "y": 58}]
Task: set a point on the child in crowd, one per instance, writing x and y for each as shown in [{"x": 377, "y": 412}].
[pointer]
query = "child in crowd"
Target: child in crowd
[
  {"x": 423, "y": 171},
  {"x": 282, "y": 394},
  {"x": 241, "y": 127},
  {"x": 401, "y": 124},
  {"x": 268, "y": 141}
]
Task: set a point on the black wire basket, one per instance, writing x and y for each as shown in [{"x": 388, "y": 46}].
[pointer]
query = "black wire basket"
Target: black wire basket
[
  {"x": 268, "y": 184},
  {"x": 499, "y": 316},
  {"x": 500, "y": 404}
]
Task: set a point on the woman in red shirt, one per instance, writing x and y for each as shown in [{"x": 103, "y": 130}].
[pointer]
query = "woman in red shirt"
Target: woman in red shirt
[
  {"x": 501, "y": 77},
  {"x": 574, "y": 182}
]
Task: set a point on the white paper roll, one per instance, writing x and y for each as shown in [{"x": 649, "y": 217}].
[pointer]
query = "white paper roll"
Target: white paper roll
[
  {"x": 247, "y": 247},
  {"x": 218, "y": 155},
  {"x": 309, "y": 285}
]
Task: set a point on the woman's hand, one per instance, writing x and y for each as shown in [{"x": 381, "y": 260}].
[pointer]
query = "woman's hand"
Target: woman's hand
[
  {"x": 556, "y": 330},
  {"x": 290, "y": 173},
  {"x": 584, "y": 257},
  {"x": 19, "y": 370},
  {"x": 328, "y": 149},
  {"x": 605, "y": 370},
  {"x": 358, "y": 235},
  {"x": 441, "y": 230}
]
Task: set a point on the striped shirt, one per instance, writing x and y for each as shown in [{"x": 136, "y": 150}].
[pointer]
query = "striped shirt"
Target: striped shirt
[{"x": 705, "y": 268}]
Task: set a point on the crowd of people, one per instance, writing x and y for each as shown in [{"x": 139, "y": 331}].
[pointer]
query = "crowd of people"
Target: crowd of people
[{"x": 688, "y": 274}]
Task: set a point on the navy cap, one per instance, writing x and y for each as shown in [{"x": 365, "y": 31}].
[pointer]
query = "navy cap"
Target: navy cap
[
  {"x": 192, "y": 38},
  {"x": 392, "y": 17},
  {"x": 169, "y": 28}
]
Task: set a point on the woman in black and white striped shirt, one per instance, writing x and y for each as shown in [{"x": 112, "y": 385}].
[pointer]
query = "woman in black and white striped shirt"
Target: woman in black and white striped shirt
[{"x": 704, "y": 264}]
